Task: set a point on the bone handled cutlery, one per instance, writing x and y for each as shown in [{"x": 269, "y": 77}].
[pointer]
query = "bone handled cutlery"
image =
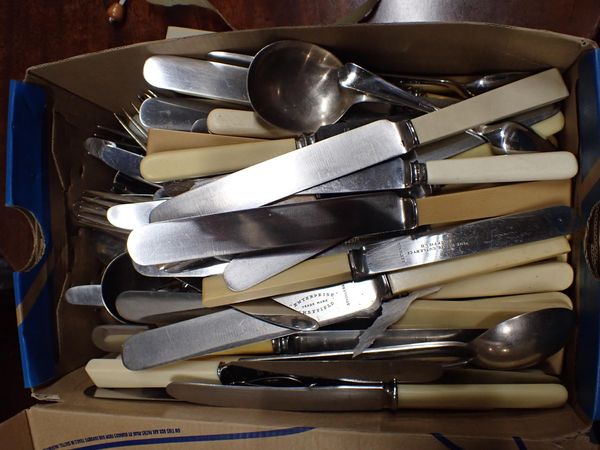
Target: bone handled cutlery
[
  {"x": 226, "y": 329},
  {"x": 335, "y": 219},
  {"x": 157, "y": 307},
  {"x": 356, "y": 149},
  {"x": 204, "y": 335},
  {"x": 406, "y": 253}
]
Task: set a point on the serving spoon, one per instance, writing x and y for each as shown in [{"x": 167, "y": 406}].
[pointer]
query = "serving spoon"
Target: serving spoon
[
  {"x": 517, "y": 343},
  {"x": 298, "y": 86}
]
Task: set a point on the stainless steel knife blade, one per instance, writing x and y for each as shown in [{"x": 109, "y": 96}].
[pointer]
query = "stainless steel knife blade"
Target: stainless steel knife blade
[
  {"x": 196, "y": 337},
  {"x": 173, "y": 113}
]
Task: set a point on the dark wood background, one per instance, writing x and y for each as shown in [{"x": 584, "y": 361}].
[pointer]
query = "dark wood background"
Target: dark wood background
[{"x": 38, "y": 31}]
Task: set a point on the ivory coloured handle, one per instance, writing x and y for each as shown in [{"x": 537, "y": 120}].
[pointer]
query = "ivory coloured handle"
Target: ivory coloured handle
[
  {"x": 481, "y": 396},
  {"x": 242, "y": 123},
  {"x": 208, "y": 161},
  {"x": 503, "y": 168},
  {"x": 520, "y": 96}
]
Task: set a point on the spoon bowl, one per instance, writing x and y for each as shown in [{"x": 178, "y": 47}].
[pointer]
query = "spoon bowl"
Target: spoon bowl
[
  {"x": 523, "y": 341},
  {"x": 294, "y": 85}
]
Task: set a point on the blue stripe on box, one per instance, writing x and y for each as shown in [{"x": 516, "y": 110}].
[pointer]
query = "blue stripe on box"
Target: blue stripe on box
[
  {"x": 588, "y": 337},
  {"x": 27, "y": 187}
]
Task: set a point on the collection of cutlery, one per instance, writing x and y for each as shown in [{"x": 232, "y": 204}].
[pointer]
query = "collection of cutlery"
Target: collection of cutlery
[{"x": 294, "y": 204}]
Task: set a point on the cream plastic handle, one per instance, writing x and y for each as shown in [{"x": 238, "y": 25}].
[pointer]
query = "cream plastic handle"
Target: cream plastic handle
[
  {"x": 493, "y": 201},
  {"x": 549, "y": 126},
  {"x": 481, "y": 396},
  {"x": 334, "y": 269},
  {"x": 523, "y": 95},
  {"x": 111, "y": 373},
  {"x": 540, "y": 277},
  {"x": 242, "y": 123},
  {"x": 443, "y": 272},
  {"x": 160, "y": 140},
  {"x": 208, "y": 161},
  {"x": 309, "y": 274},
  {"x": 477, "y": 313},
  {"x": 503, "y": 168}
]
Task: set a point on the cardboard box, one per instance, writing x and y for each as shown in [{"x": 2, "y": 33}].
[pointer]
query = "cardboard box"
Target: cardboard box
[{"x": 83, "y": 91}]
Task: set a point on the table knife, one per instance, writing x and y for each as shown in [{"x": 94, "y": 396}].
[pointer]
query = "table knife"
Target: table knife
[
  {"x": 198, "y": 78},
  {"x": 334, "y": 219},
  {"x": 279, "y": 177},
  {"x": 406, "y": 253},
  {"x": 114, "y": 157},
  {"x": 208, "y": 334},
  {"x": 111, "y": 373},
  {"x": 373, "y": 397}
]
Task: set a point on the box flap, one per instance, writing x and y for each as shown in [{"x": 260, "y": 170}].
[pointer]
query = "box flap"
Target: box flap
[
  {"x": 27, "y": 188},
  {"x": 15, "y": 433},
  {"x": 402, "y": 48}
]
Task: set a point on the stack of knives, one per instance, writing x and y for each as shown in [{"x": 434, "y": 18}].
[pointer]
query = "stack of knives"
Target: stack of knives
[{"x": 353, "y": 268}]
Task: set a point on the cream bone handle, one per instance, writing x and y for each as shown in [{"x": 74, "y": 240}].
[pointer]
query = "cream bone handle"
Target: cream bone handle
[
  {"x": 242, "y": 123},
  {"x": 111, "y": 373},
  {"x": 481, "y": 396},
  {"x": 532, "y": 92},
  {"x": 160, "y": 140},
  {"x": 335, "y": 269},
  {"x": 504, "y": 168},
  {"x": 539, "y": 277},
  {"x": 208, "y": 161}
]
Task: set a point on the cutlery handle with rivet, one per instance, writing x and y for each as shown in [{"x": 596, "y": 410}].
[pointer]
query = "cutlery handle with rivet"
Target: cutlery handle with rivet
[
  {"x": 208, "y": 161},
  {"x": 503, "y": 168},
  {"x": 232, "y": 122},
  {"x": 520, "y": 96},
  {"x": 481, "y": 396}
]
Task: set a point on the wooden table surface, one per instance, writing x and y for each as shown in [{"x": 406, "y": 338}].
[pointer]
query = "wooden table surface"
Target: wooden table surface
[{"x": 38, "y": 31}]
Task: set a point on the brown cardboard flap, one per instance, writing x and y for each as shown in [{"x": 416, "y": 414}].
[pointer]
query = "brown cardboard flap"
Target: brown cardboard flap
[
  {"x": 15, "y": 433},
  {"x": 464, "y": 48}
]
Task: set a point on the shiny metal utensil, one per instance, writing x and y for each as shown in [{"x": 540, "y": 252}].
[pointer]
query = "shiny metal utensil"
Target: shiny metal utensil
[
  {"x": 236, "y": 59},
  {"x": 456, "y": 251},
  {"x": 294, "y": 85},
  {"x": 357, "y": 149},
  {"x": 182, "y": 114},
  {"x": 464, "y": 90},
  {"x": 197, "y": 78},
  {"x": 517, "y": 343},
  {"x": 163, "y": 307},
  {"x": 329, "y": 221},
  {"x": 117, "y": 277},
  {"x": 512, "y": 138},
  {"x": 116, "y": 158},
  {"x": 357, "y": 371}
]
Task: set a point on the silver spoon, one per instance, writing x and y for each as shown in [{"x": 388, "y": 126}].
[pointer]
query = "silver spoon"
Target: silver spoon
[
  {"x": 296, "y": 86},
  {"x": 517, "y": 343}
]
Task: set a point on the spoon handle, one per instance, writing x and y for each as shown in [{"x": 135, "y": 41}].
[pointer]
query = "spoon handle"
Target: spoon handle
[{"x": 352, "y": 76}]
